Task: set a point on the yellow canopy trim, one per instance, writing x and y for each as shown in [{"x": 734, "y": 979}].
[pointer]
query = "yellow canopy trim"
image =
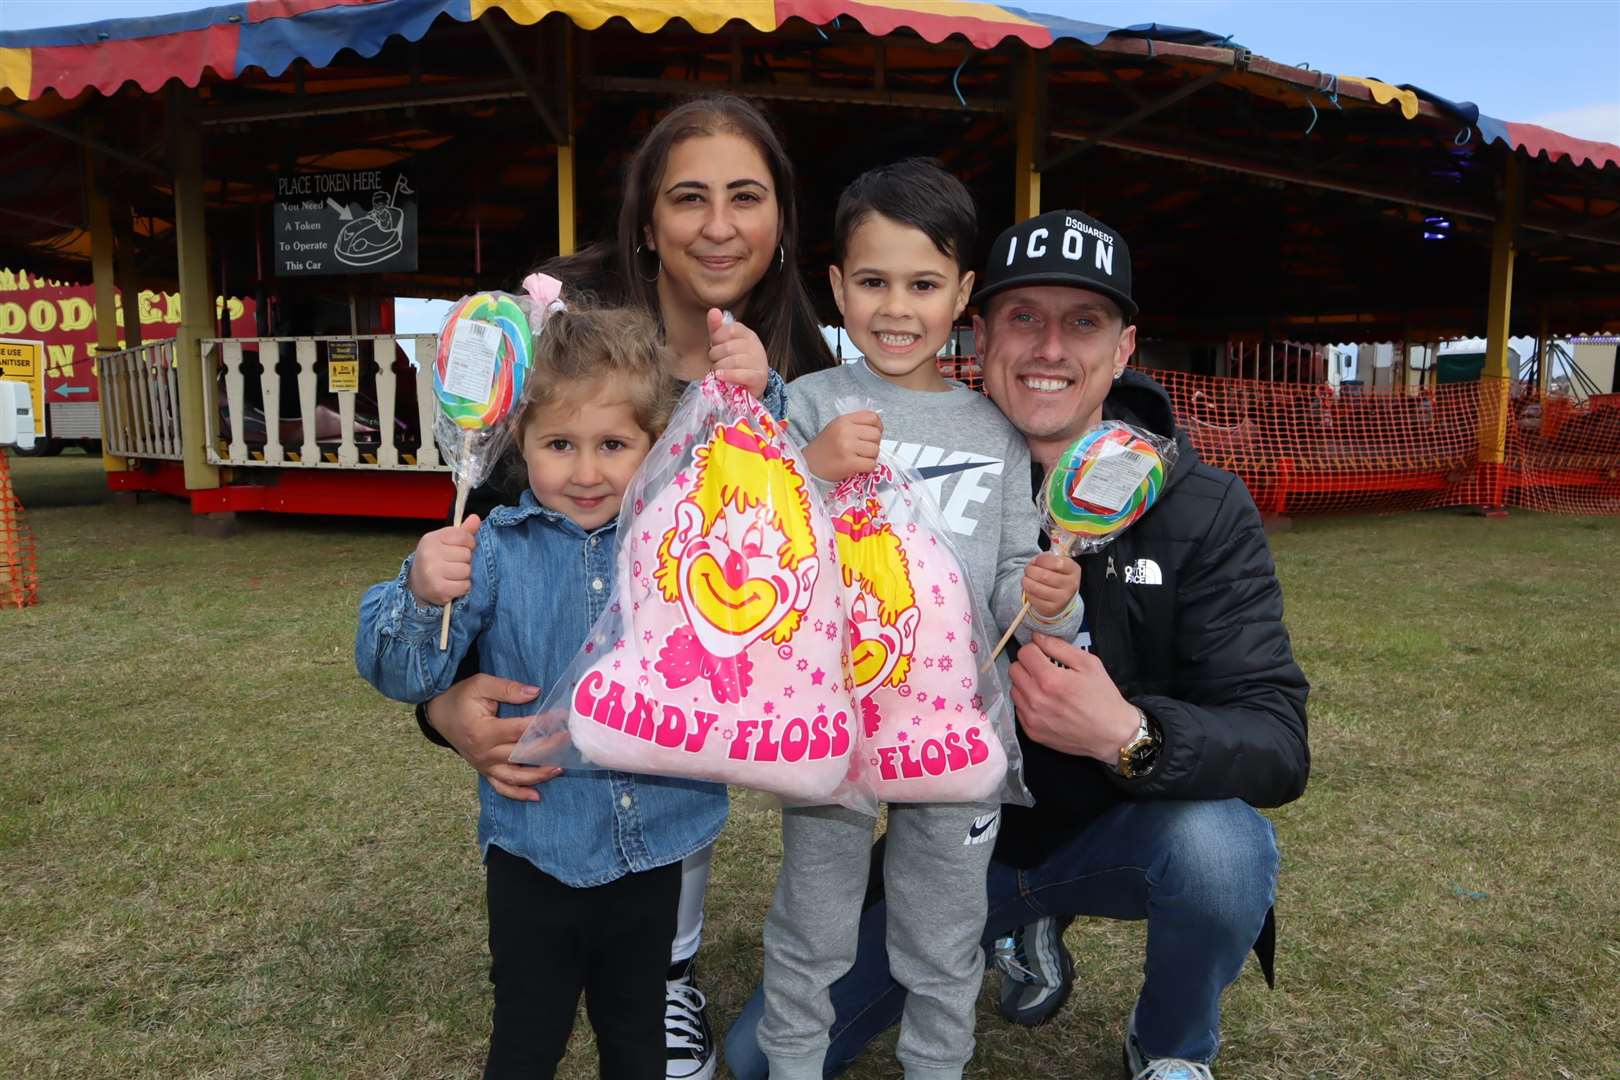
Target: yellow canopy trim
[{"x": 1384, "y": 93}]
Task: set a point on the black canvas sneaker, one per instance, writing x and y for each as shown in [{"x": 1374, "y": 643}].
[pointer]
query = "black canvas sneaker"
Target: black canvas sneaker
[{"x": 688, "y": 1042}]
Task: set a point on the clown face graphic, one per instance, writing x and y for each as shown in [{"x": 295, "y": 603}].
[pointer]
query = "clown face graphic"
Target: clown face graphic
[
  {"x": 875, "y": 648},
  {"x": 734, "y": 587}
]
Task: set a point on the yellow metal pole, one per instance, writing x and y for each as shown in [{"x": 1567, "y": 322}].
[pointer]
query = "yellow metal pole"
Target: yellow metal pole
[
  {"x": 1494, "y": 379},
  {"x": 566, "y": 241},
  {"x": 196, "y": 294},
  {"x": 101, "y": 274},
  {"x": 1026, "y": 175}
]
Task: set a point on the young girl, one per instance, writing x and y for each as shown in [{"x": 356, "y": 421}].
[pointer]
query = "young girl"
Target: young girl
[
  {"x": 583, "y": 884},
  {"x": 709, "y": 220}
]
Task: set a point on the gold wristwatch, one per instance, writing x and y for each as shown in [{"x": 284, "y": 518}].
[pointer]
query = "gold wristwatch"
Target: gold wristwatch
[{"x": 1138, "y": 756}]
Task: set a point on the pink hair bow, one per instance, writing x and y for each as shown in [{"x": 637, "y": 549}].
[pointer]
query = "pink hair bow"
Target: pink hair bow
[{"x": 545, "y": 292}]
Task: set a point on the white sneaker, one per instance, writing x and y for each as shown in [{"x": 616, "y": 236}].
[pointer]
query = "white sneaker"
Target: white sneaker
[
  {"x": 688, "y": 1042},
  {"x": 1140, "y": 1067}
]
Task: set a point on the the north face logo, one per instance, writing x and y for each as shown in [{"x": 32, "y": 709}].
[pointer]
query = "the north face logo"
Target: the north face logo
[{"x": 1144, "y": 572}]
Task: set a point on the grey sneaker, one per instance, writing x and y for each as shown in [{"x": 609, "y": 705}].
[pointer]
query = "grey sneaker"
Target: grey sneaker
[
  {"x": 1037, "y": 972},
  {"x": 1139, "y": 1067}
]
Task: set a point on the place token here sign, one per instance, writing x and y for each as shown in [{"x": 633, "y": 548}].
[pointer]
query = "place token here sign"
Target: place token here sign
[{"x": 344, "y": 223}]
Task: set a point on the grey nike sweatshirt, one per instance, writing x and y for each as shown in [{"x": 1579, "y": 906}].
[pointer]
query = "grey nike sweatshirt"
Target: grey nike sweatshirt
[{"x": 977, "y": 467}]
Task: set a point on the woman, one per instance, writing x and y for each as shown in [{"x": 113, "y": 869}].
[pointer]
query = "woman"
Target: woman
[{"x": 708, "y": 221}]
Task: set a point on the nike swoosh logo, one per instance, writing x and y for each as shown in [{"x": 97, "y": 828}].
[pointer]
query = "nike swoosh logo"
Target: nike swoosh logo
[
  {"x": 978, "y": 827},
  {"x": 928, "y": 472}
]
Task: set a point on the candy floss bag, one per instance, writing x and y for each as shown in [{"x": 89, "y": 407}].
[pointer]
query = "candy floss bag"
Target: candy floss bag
[
  {"x": 934, "y": 727},
  {"x": 722, "y": 654}
]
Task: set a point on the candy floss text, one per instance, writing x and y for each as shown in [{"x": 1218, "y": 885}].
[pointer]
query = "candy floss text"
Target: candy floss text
[
  {"x": 790, "y": 739},
  {"x": 958, "y": 750}
]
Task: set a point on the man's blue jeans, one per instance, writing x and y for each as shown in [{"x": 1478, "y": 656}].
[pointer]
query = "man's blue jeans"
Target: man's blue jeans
[{"x": 1203, "y": 875}]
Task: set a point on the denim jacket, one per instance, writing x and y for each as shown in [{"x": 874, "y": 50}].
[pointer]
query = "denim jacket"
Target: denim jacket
[{"x": 539, "y": 582}]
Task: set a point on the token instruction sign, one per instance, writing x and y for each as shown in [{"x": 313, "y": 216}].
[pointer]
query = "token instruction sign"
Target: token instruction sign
[{"x": 361, "y": 222}]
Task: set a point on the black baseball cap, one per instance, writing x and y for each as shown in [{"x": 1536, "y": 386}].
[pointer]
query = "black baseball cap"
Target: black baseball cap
[{"x": 1061, "y": 247}]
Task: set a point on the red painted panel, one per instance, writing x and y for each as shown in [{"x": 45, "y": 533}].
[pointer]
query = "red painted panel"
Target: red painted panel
[{"x": 150, "y": 62}]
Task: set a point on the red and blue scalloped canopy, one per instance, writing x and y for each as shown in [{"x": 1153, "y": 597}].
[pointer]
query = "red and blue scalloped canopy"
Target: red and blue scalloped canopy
[{"x": 271, "y": 34}]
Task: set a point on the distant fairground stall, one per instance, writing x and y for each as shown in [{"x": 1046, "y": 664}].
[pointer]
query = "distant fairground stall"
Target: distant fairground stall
[{"x": 311, "y": 161}]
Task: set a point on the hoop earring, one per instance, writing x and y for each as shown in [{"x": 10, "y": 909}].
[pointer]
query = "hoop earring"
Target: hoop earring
[
  {"x": 781, "y": 256},
  {"x": 649, "y": 280}
]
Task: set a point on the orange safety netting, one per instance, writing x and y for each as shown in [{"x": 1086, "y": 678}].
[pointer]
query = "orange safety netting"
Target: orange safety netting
[
  {"x": 19, "y": 578},
  {"x": 1308, "y": 448}
]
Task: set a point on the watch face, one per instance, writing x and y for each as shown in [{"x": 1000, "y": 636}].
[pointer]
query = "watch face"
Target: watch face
[
  {"x": 1139, "y": 755},
  {"x": 1142, "y": 756}
]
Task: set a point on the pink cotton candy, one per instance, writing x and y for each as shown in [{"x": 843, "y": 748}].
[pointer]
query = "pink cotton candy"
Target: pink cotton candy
[
  {"x": 725, "y": 659},
  {"x": 932, "y": 724}
]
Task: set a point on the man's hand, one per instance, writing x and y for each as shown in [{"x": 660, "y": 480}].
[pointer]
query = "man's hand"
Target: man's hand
[
  {"x": 736, "y": 354},
  {"x": 442, "y": 569},
  {"x": 1074, "y": 709},
  {"x": 1050, "y": 582},
  {"x": 465, "y": 716},
  {"x": 846, "y": 447}
]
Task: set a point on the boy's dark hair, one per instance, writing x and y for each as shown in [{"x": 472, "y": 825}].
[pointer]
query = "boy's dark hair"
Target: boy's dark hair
[{"x": 917, "y": 192}]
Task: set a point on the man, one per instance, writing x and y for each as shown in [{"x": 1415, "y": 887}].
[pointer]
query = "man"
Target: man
[{"x": 1149, "y": 739}]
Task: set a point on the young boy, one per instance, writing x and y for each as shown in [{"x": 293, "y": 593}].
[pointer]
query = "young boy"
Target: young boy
[{"x": 903, "y": 235}]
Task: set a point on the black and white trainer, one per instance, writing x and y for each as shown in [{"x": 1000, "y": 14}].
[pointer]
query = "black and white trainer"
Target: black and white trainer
[
  {"x": 688, "y": 1041},
  {"x": 1037, "y": 972}
]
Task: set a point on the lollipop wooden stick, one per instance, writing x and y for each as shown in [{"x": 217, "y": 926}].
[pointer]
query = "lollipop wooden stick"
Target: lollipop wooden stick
[
  {"x": 995, "y": 652},
  {"x": 1060, "y": 545}
]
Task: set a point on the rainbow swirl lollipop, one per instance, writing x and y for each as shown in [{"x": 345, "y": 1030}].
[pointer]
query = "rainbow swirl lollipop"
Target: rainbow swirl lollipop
[
  {"x": 1093, "y": 491},
  {"x": 478, "y": 375},
  {"x": 510, "y": 368}
]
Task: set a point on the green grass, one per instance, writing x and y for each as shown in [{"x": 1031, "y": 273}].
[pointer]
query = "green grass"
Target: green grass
[{"x": 222, "y": 855}]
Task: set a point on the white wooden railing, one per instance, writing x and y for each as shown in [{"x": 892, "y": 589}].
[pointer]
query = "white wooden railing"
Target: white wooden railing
[
  {"x": 235, "y": 438},
  {"x": 140, "y": 391}
]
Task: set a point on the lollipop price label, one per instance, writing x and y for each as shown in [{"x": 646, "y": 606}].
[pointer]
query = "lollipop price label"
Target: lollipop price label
[
  {"x": 470, "y": 369},
  {"x": 1112, "y": 480}
]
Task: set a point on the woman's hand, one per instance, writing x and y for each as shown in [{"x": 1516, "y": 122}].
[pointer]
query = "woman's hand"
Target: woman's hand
[
  {"x": 846, "y": 447},
  {"x": 736, "y": 354},
  {"x": 442, "y": 569},
  {"x": 466, "y": 716},
  {"x": 1050, "y": 582}
]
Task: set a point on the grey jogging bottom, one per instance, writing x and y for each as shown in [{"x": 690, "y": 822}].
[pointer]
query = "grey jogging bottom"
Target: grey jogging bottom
[{"x": 934, "y": 869}]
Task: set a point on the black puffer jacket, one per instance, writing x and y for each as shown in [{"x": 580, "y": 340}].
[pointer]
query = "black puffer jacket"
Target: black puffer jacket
[{"x": 1186, "y": 615}]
